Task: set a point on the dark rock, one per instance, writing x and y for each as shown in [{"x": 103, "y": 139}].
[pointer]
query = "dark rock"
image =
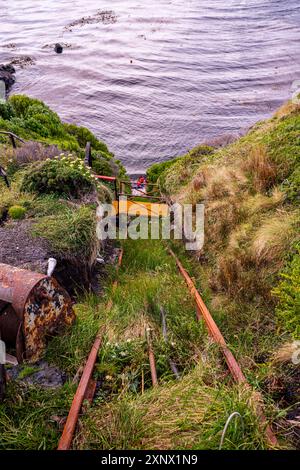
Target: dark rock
[
  {"x": 58, "y": 48},
  {"x": 42, "y": 374},
  {"x": 7, "y": 75},
  {"x": 7, "y": 68}
]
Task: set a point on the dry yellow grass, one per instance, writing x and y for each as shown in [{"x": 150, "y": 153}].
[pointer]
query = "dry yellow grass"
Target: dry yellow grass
[
  {"x": 273, "y": 238},
  {"x": 286, "y": 109},
  {"x": 258, "y": 203},
  {"x": 284, "y": 354}
]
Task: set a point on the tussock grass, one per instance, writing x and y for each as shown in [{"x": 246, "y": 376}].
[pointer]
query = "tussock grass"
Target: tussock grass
[
  {"x": 260, "y": 203},
  {"x": 73, "y": 231},
  {"x": 261, "y": 168},
  {"x": 274, "y": 238},
  {"x": 250, "y": 189}
]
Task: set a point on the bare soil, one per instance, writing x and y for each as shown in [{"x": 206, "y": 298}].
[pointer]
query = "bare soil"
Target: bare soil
[{"x": 18, "y": 248}]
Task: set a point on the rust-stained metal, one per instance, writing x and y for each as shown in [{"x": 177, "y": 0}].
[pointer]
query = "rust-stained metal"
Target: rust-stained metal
[
  {"x": 70, "y": 426},
  {"x": 87, "y": 386},
  {"x": 37, "y": 307},
  {"x": 2, "y": 370},
  {"x": 151, "y": 359},
  {"x": 232, "y": 363},
  {"x": 165, "y": 336},
  {"x": 90, "y": 391}
]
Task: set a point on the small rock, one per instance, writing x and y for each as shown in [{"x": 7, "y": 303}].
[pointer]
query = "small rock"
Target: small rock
[{"x": 58, "y": 48}]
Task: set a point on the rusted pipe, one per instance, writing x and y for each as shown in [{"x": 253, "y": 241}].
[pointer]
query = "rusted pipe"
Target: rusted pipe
[
  {"x": 36, "y": 307},
  {"x": 232, "y": 363},
  {"x": 70, "y": 426}
]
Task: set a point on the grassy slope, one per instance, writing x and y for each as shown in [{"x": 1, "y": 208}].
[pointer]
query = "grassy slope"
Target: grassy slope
[
  {"x": 250, "y": 262},
  {"x": 31, "y": 119},
  {"x": 251, "y": 194},
  {"x": 249, "y": 189}
]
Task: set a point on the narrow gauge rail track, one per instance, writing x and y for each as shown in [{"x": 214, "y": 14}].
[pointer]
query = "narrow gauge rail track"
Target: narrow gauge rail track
[{"x": 86, "y": 389}]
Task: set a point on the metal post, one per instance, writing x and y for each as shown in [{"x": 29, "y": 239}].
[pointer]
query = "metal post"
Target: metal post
[
  {"x": 12, "y": 138},
  {"x": 88, "y": 155}
]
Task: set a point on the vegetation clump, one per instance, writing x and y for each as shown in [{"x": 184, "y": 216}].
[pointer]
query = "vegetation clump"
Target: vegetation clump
[
  {"x": 17, "y": 212},
  {"x": 64, "y": 175},
  {"x": 70, "y": 232}
]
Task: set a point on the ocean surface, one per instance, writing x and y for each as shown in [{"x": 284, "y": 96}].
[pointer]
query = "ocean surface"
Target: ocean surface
[{"x": 155, "y": 78}]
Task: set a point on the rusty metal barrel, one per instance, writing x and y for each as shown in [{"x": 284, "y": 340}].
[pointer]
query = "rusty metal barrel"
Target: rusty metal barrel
[{"x": 33, "y": 307}]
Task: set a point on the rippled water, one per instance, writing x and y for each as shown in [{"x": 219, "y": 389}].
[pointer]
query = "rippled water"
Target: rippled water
[{"x": 155, "y": 78}]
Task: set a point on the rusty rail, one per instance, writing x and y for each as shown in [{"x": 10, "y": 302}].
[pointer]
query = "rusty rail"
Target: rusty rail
[
  {"x": 151, "y": 359},
  {"x": 71, "y": 423},
  {"x": 232, "y": 363},
  {"x": 86, "y": 387}
]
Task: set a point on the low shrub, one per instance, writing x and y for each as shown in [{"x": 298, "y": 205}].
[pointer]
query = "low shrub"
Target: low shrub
[
  {"x": 291, "y": 185},
  {"x": 17, "y": 212},
  {"x": 156, "y": 170},
  {"x": 6, "y": 110},
  {"x": 84, "y": 135},
  {"x": 102, "y": 166},
  {"x": 66, "y": 176}
]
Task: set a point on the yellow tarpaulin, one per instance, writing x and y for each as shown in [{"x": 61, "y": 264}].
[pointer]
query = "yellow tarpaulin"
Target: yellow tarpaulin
[{"x": 134, "y": 208}]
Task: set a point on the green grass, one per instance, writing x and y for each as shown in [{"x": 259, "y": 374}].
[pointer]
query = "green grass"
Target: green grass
[
  {"x": 288, "y": 293},
  {"x": 27, "y": 371},
  {"x": 69, "y": 351},
  {"x": 189, "y": 414},
  {"x": 29, "y": 416},
  {"x": 13, "y": 197}
]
